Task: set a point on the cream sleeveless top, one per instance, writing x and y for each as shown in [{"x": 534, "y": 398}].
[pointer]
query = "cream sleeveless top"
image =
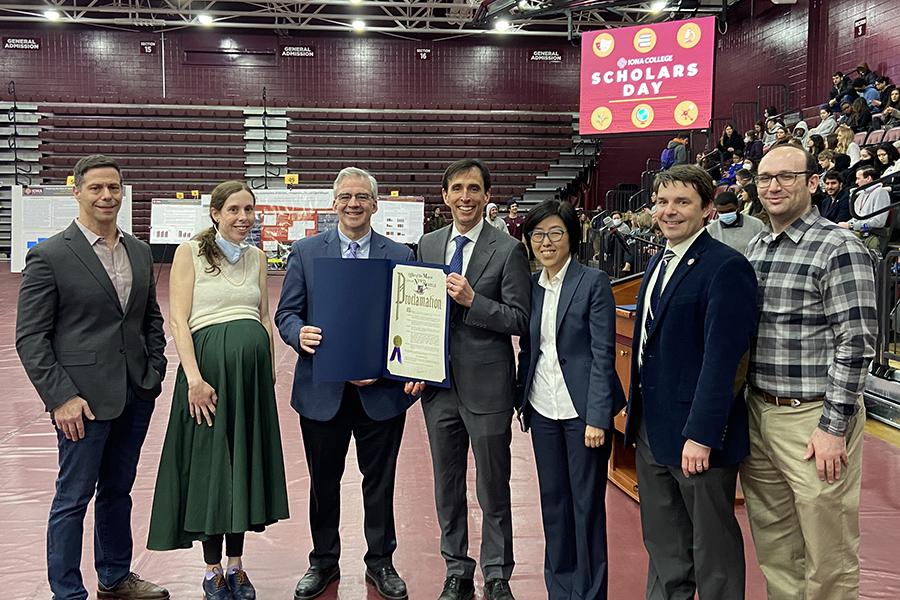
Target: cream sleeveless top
[{"x": 229, "y": 295}]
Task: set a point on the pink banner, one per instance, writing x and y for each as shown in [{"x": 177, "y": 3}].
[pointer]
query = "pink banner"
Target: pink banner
[{"x": 647, "y": 78}]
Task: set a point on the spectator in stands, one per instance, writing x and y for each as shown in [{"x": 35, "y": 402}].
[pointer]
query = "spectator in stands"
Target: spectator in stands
[
  {"x": 437, "y": 220},
  {"x": 750, "y": 203},
  {"x": 685, "y": 412},
  {"x": 869, "y": 200},
  {"x": 514, "y": 221},
  {"x": 885, "y": 87},
  {"x": 90, "y": 336},
  {"x": 493, "y": 218},
  {"x": 771, "y": 133},
  {"x": 841, "y": 90},
  {"x": 815, "y": 144},
  {"x": 889, "y": 158},
  {"x": 781, "y": 135},
  {"x": 827, "y": 124},
  {"x": 889, "y": 117},
  {"x": 846, "y": 145},
  {"x": 743, "y": 177},
  {"x": 219, "y": 317},
  {"x": 846, "y": 112},
  {"x": 373, "y": 412},
  {"x": 729, "y": 142},
  {"x": 835, "y": 206},
  {"x": 808, "y": 366},
  {"x": 866, "y": 74},
  {"x": 860, "y": 116},
  {"x": 826, "y": 161},
  {"x": 801, "y": 131},
  {"x": 568, "y": 394},
  {"x": 771, "y": 112},
  {"x": 865, "y": 91},
  {"x": 753, "y": 146},
  {"x": 733, "y": 228},
  {"x": 675, "y": 152},
  {"x": 730, "y": 166}
]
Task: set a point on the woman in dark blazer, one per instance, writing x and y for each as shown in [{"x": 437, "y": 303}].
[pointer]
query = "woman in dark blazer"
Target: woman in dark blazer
[{"x": 568, "y": 394}]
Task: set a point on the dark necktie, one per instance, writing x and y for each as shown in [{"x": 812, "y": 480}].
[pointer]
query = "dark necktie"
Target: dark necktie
[
  {"x": 354, "y": 249},
  {"x": 456, "y": 263},
  {"x": 656, "y": 293}
]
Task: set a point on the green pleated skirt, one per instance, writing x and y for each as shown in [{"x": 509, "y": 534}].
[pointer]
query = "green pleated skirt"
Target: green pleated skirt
[{"x": 228, "y": 478}]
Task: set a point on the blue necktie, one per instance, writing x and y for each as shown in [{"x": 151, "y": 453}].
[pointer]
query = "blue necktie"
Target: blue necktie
[
  {"x": 354, "y": 249},
  {"x": 656, "y": 293},
  {"x": 456, "y": 263}
]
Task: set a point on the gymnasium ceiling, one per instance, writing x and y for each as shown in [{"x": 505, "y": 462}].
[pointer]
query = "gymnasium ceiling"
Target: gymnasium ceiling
[{"x": 400, "y": 18}]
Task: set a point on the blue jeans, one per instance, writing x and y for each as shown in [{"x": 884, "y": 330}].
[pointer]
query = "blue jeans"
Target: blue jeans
[{"x": 105, "y": 461}]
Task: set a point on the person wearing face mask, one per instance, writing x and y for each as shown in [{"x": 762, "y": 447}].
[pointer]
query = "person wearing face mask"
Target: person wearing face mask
[
  {"x": 221, "y": 471},
  {"x": 733, "y": 228}
]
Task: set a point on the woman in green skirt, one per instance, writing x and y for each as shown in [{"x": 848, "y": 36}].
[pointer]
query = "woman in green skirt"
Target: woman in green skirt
[{"x": 221, "y": 472}]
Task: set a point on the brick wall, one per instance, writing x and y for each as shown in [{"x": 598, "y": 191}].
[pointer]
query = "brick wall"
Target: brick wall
[{"x": 492, "y": 70}]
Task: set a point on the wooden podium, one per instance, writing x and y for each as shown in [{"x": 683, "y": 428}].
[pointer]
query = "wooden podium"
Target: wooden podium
[{"x": 622, "y": 471}]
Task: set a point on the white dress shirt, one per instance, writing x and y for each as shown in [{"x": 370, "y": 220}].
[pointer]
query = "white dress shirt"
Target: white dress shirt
[
  {"x": 549, "y": 395},
  {"x": 467, "y": 249},
  {"x": 680, "y": 249},
  {"x": 364, "y": 243}
]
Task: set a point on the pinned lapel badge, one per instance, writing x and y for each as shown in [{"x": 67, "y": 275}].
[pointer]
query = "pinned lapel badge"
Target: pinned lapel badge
[{"x": 690, "y": 261}]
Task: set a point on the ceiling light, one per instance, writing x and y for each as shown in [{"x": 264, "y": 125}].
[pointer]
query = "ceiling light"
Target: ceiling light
[
  {"x": 356, "y": 1},
  {"x": 204, "y": 19},
  {"x": 359, "y": 25},
  {"x": 51, "y": 15},
  {"x": 501, "y": 25},
  {"x": 658, "y": 5}
]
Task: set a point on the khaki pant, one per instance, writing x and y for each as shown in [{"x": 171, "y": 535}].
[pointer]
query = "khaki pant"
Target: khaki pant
[{"x": 806, "y": 531}]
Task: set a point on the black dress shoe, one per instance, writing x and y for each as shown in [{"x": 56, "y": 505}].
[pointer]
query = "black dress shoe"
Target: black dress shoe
[
  {"x": 388, "y": 583},
  {"x": 497, "y": 589},
  {"x": 457, "y": 588},
  {"x": 315, "y": 582}
]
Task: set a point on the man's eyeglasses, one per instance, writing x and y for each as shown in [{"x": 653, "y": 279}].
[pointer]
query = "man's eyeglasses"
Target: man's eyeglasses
[
  {"x": 361, "y": 198},
  {"x": 555, "y": 235},
  {"x": 786, "y": 179}
]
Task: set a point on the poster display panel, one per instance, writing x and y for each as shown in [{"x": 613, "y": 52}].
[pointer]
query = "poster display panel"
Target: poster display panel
[
  {"x": 41, "y": 211},
  {"x": 400, "y": 218}
]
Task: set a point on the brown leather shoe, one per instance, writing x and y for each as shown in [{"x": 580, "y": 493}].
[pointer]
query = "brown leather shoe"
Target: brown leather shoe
[{"x": 132, "y": 588}]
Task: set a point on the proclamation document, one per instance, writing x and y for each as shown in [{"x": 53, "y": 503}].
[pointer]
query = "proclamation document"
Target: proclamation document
[{"x": 417, "y": 324}]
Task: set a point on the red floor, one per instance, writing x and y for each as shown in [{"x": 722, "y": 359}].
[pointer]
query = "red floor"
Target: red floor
[{"x": 277, "y": 558}]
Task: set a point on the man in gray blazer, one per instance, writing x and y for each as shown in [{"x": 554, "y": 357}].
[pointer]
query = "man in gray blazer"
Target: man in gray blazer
[
  {"x": 491, "y": 289},
  {"x": 89, "y": 333}
]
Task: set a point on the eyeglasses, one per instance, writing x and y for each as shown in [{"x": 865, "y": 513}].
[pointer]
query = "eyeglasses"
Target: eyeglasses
[
  {"x": 554, "y": 234},
  {"x": 786, "y": 179},
  {"x": 362, "y": 198}
]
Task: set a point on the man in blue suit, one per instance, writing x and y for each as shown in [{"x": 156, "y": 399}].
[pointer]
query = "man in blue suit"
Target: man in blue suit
[
  {"x": 372, "y": 411},
  {"x": 696, "y": 317}
]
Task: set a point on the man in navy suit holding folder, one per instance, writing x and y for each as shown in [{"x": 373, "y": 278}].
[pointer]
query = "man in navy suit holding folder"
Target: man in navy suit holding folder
[
  {"x": 372, "y": 411},
  {"x": 696, "y": 316}
]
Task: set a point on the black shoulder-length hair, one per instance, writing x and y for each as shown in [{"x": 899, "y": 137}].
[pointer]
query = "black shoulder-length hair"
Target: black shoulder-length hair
[{"x": 549, "y": 208}]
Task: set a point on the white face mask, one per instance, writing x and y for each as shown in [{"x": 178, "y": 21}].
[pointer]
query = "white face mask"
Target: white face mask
[
  {"x": 748, "y": 166},
  {"x": 231, "y": 250},
  {"x": 616, "y": 222}
]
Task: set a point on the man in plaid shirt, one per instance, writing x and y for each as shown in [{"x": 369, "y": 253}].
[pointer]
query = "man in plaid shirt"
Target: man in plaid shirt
[{"x": 808, "y": 367}]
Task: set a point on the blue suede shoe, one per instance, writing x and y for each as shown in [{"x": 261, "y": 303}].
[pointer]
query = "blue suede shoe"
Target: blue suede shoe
[
  {"x": 216, "y": 588},
  {"x": 239, "y": 583}
]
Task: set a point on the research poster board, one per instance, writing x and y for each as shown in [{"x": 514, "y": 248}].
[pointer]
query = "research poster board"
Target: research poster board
[
  {"x": 174, "y": 220},
  {"x": 400, "y": 218},
  {"x": 647, "y": 78},
  {"x": 41, "y": 211}
]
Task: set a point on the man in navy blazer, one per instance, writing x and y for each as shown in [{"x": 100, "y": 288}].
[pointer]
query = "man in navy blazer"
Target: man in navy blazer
[
  {"x": 696, "y": 317},
  {"x": 372, "y": 411}
]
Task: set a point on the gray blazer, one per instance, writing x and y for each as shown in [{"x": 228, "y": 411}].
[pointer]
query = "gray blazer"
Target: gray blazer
[
  {"x": 73, "y": 337},
  {"x": 482, "y": 364}
]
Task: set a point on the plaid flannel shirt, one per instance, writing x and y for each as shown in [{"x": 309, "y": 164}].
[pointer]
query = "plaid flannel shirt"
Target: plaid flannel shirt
[{"x": 817, "y": 316}]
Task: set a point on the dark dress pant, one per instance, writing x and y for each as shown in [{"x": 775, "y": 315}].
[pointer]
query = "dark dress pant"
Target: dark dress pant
[
  {"x": 572, "y": 481},
  {"x": 690, "y": 531},
  {"x": 102, "y": 464},
  {"x": 451, "y": 427},
  {"x": 377, "y": 445}
]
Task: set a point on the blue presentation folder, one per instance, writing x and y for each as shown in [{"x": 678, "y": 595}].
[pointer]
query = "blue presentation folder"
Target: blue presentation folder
[{"x": 350, "y": 304}]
